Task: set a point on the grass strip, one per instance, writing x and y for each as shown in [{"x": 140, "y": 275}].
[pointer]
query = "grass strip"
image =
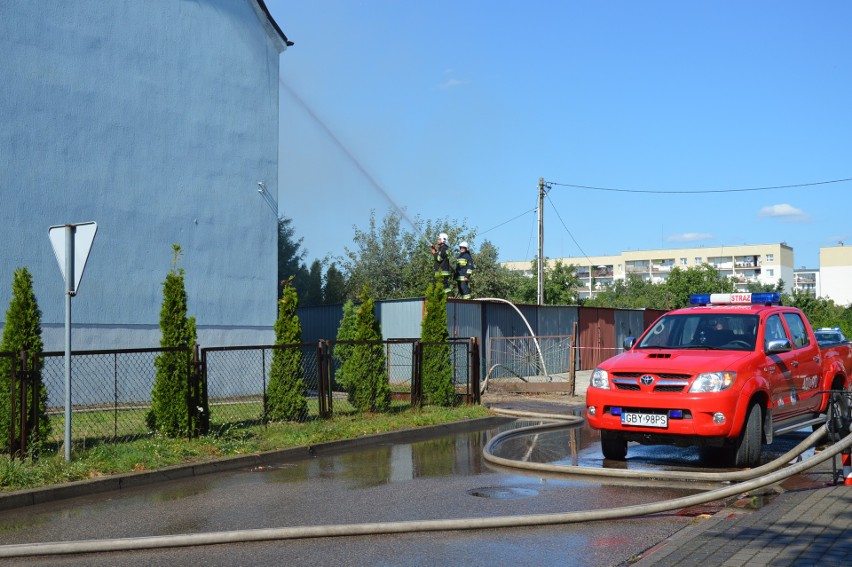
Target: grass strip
[{"x": 153, "y": 452}]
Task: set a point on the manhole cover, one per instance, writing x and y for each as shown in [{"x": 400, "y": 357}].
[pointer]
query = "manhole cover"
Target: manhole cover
[{"x": 503, "y": 492}]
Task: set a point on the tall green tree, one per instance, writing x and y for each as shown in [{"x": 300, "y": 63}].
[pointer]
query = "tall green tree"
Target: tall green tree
[
  {"x": 313, "y": 286},
  {"x": 633, "y": 292},
  {"x": 365, "y": 364},
  {"x": 438, "y": 388},
  {"x": 334, "y": 289},
  {"x": 699, "y": 279},
  {"x": 169, "y": 413},
  {"x": 395, "y": 261},
  {"x": 286, "y": 393},
  {"x": 491, "y": 279},
  {"x": 22, "y": 332},
  {"x": 291, "y": 258},
  {"x": 346, "y": 332},
  {"x": 560, "y": 285}
]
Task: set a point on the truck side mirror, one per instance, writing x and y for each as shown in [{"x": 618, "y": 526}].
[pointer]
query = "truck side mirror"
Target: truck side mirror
[
  {"x": 629, "y": 342},
  {"x": 778, "y": 346}
]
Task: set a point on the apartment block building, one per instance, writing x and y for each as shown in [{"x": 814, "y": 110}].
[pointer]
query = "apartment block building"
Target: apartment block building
[
  {"x": 747, "y": 263},
  {"x": 835, "y": 274}
]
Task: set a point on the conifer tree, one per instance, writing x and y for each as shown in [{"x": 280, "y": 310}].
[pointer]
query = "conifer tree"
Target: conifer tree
[
  {"x": 438, "y": 386},
  {"x": 22, "y": 332},
  {"x": 286, "y": 393},
  {"x": 346, "y": 332},
  {"x": 365, "y": 365},
  {"x": 169, "y": 412}
]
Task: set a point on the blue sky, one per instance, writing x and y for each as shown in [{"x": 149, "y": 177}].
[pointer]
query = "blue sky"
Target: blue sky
[{"x": 457, "y": 108}]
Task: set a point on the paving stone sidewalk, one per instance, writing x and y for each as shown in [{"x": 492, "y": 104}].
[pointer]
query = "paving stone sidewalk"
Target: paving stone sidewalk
[{"x": 797, "y": 529}]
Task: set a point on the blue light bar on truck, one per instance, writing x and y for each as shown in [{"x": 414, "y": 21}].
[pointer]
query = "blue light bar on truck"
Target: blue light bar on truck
[{"x": 761, "y": 298}]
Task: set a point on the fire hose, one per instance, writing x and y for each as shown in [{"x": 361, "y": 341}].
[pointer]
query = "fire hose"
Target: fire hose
[{"x": 756, "y": 478}]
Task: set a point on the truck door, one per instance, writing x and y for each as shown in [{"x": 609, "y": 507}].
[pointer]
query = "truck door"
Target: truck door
[
  {"x": 807, "y": 366},
  {"x": 779, "y": 368}
]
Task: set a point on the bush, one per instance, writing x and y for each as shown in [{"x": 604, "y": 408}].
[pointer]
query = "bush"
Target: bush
[
  {"x": 438, "y": 386},
  {"x": 169, "y": 412},
  {"x": 286, "y": 399},
  {"x": 22, "y": 331},
  {"x": 364, "y": 367},
  {"x": 346, "y": 332}
]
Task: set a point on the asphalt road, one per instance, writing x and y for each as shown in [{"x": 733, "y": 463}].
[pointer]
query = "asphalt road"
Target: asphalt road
[{"x": 440, "y": 478}]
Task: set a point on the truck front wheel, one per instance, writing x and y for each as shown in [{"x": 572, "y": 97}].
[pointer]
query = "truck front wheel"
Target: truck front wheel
[
  {"x": 746, "y": 452},
  {"x": 613, "y": 446}
]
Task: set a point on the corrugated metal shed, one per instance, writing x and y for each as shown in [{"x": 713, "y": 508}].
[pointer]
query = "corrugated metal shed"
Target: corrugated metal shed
[
  {"x": 557, "y": 320},
  {"x": 628, "y": 323},
  {"x": 464, "y": 319},
  {"x": 400, "y": 318},
  {"x": 319, "y": 322}
]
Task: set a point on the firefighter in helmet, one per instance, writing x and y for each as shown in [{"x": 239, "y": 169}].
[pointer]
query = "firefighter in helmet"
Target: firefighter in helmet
[
  {"x": 441, "y": 256},
  {"x": 464, "y": 270}
]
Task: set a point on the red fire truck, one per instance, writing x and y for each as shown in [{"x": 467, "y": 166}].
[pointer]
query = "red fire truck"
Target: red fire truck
[{"x": 726, "y": 373}]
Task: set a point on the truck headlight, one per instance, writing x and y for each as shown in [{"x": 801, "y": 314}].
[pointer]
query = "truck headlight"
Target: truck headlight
[
  {"x": 600, "y": 379},
  {"x": 713, "y": 382}
]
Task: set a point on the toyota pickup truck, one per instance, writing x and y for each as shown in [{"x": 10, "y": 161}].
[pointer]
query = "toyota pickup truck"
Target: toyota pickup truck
[{"x": 727, "y": 373}]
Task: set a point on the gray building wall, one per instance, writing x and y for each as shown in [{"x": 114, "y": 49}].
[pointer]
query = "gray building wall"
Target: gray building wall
[{"x": 157, "y": 120}]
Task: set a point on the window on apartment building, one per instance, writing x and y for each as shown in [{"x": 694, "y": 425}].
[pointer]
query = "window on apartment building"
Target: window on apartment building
[
  {"x": 684, "y": 262},
  {"x": 770, "y": 257},
  {"x": 697, "y": 261},
  {"x": 770, "y": 272}
]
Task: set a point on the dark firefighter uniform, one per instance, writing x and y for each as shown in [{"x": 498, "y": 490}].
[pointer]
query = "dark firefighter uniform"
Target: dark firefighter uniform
[
  {"x": 441, "y": 255},
  {"x": 464, "y": 271}
]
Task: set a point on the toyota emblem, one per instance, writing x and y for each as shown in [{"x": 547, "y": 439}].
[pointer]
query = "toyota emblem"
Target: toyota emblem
[{"x": 647, "y": 379}]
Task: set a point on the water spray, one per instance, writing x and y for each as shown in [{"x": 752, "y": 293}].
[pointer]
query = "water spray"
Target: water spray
[{"x": 355, "y": 162}]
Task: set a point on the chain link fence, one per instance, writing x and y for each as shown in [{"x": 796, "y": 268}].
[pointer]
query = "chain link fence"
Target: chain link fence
[
  {"x": 227, "y": 387},
  {"x": 237, "y": 381},
  {"x": 110, "y": 393}
]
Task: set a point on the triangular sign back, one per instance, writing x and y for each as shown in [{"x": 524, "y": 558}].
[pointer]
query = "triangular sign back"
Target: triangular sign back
[{"x": 83, "y": 234}]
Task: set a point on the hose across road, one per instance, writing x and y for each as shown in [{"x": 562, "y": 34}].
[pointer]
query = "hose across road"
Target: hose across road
[{"x": 752, "y": 479}]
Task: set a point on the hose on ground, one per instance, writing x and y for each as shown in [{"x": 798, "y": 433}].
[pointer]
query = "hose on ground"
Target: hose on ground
[
  {"x": 337, "y": 530},
  {"x": 553, "y": 421}
]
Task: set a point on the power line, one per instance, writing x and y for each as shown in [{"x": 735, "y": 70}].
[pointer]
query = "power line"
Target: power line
[
  {"x": 696, "y": 192},
  {"x": 580, "y": 248},
  {"x": 506, "y": 222}
]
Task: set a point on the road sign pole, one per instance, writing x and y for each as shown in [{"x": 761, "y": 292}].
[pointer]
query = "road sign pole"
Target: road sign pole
[
  {"x": 69, "y": 291},
  {"x": 62, "y": 239}
]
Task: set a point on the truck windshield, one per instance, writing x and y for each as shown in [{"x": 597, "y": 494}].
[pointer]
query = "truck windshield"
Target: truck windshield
[{"x": 703, "y": 331}]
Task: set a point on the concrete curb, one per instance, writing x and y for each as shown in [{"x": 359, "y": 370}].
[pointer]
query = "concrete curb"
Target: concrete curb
[{"x": 33, "y": 496}]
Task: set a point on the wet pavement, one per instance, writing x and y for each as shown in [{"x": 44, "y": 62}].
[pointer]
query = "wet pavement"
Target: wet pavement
[{"x": 443, "y": 477}]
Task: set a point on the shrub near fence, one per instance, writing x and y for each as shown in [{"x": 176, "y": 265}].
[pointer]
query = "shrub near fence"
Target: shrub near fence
[
  {"x": 110, "y": 393},
  {"x": 237, "y": 379},
  {"x": 111, "y": 389}
]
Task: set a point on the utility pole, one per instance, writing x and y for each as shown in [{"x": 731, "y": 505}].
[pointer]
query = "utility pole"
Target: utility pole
[{"x": 540, "y": 263}]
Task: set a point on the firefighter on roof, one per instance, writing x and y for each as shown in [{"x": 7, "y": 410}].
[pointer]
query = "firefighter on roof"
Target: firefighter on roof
[
  {"x": 441, "y": 255},
  {"x": 464, "y": 270}
]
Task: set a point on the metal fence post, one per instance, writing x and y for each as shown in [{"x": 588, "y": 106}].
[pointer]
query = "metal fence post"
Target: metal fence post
[
  {"x": 321, "y": 385},
  {"x": 204, "y": 402},
  {"x": 115, "y": 398},
  {"x": 35, "y": 398},
  {"x": 417, "y": 376},
  {"x": 23, "y": 403},
  {"x": 474, "y": 370},
  {"x": 329, "y": 377}
]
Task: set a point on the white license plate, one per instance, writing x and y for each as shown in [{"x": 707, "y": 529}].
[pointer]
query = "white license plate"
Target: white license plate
[{"x": 645, "y": 419}]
